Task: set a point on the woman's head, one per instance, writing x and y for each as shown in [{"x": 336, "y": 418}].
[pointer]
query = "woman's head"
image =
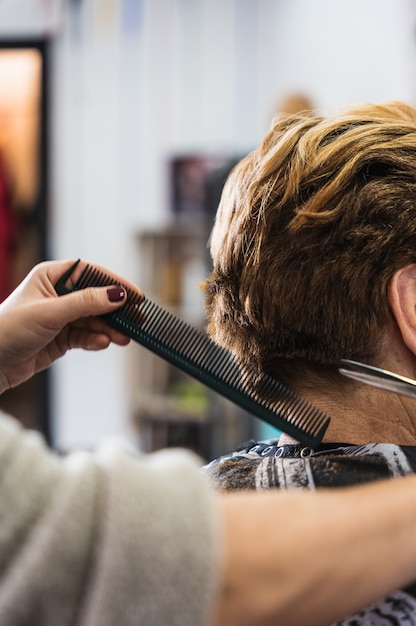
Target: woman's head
[{"x": 310, "y": 229}]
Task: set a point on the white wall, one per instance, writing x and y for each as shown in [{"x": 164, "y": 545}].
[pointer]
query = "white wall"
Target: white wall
[
  {"x": 177, "y": 76},
  {"x": 342, "y": 51}
]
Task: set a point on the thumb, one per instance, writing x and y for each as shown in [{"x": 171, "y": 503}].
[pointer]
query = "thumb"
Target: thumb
[{"x": 89, "y": 302}]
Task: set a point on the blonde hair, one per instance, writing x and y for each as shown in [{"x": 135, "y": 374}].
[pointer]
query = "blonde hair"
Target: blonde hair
[{"x": 310, "y": 229}]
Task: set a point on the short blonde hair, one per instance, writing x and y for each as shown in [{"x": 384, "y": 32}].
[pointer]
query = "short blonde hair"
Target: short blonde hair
[{"x": 309, "y": 231}]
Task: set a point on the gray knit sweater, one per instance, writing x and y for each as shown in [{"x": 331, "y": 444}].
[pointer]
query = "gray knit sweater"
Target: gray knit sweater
[{"x": 108, "y": 539}]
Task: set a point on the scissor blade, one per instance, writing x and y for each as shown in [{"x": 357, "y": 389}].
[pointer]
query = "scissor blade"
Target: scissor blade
[{"x": 383, "y": 379}]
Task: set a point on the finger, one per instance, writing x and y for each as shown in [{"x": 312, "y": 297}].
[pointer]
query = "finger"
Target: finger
[
  {"x": 73, "y": 338},
  {"x": 55, "y": 269},
  {"x": 93, "y": 341},
  {"x": 95, "y": 325},
  {"x": 92, "y": 301},
  {"x": 88, "y": 341}
]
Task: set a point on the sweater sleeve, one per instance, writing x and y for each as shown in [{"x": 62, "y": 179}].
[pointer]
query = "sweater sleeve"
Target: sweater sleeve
[{"x": 102, "y": 539}]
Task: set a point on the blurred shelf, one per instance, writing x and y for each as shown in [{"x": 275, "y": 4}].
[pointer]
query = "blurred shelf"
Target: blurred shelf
[
  {"x": 161, "y": 407},
  {"x": 169, "y": 407}
]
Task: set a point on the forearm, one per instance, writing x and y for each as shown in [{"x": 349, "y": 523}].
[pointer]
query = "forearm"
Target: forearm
[
  {"x": 302, "y": 558},
  {"x": 105, "y": 538}
]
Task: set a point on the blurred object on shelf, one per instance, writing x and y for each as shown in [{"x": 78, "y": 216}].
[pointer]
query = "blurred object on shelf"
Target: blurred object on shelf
[{"x": 188, "y": 174}]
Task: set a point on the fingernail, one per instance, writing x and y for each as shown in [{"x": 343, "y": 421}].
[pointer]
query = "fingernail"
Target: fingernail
[{"x": 115, "y": 294}]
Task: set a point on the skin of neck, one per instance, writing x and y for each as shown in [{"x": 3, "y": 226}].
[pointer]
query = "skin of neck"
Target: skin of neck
[{"x": 361, "y": 413}]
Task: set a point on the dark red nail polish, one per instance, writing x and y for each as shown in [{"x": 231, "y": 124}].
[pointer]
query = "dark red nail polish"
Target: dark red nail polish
[{"x": 115, "y": 294}]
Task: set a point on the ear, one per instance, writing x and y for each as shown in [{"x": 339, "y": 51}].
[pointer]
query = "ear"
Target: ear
[{"x": 402, "y": 298}]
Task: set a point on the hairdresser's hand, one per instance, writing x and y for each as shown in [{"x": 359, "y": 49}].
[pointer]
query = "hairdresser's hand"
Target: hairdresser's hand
[{"x": 37, "y": 326}]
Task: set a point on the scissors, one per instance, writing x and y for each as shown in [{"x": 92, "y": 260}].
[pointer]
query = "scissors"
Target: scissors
[{"x": 384, "y": 379}]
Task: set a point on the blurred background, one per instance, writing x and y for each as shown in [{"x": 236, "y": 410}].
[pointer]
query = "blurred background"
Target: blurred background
[{"x": 119, "y": 120}]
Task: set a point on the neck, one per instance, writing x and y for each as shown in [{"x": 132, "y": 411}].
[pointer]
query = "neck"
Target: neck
[{"x": 363, "y": 414}]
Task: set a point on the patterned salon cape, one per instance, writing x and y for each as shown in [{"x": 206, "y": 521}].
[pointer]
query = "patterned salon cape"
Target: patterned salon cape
[{"x": 265, "y": 464}]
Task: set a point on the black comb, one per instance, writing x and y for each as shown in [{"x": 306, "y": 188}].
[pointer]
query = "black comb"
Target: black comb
[{"x": 193, "y": 352}]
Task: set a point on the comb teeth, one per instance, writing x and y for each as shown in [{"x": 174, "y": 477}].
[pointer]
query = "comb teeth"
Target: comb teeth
[{"x": 196, "y": 354}]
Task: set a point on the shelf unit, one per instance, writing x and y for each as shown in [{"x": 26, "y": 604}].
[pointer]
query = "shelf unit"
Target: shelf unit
[{"x": 170, "y": 408}]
